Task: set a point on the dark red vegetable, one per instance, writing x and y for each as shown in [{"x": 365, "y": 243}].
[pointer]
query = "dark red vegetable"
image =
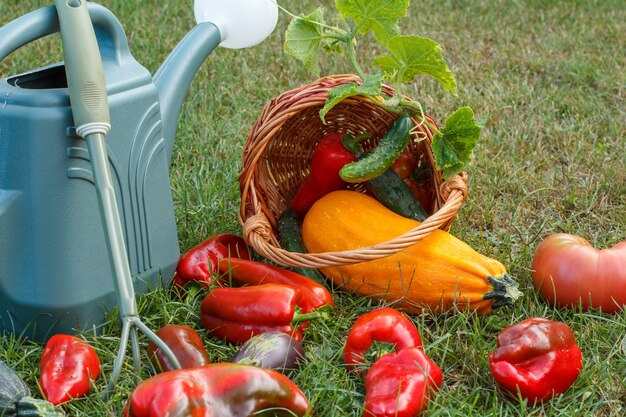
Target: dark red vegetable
[
  {"x": 246, "y": 272},
  {"x": 185, "y": 344},
  {"x": 417, "y": 176},
  {"x": 423, "y": 192},
  {"x": 537, "y": 358},
  {"x": 400, "y": 384},
  {"x": 385, "y": 325},
  {"x": 67, "y": 367},
  {"x": 271, "y": 350},
  {"x": 200, "y": 262},
  {"x": 220, "y": 389},
  {"x": 237, "y": 314},
  {"x": 329, "y": 156},
  {"x": 404, "y": 164}
]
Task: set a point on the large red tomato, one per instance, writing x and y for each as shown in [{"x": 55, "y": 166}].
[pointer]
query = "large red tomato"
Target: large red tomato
[{"x": 568, "y": 271}]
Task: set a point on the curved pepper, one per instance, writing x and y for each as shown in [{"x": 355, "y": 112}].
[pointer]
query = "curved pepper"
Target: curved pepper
[
  {"x": 537, "y": 357},
  {"x": 217, "y": 390},
  {"x": 67, "y": 366},
  {"x": 185, "y": 344},
  {"x": 385, "y": 325},
  {"x": 243, "y": 271},
  {"x": 200, "y": 262},
  {"x": 237, "y": 314},
  {"x": 400, "y": 384},
  {"x": 329, "y": 156}
]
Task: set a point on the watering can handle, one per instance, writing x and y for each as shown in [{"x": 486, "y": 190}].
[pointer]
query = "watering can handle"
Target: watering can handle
[{"x": 42, "y": 22}]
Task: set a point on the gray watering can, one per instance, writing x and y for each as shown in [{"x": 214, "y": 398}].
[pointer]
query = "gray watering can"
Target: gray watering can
[{"x": 55, "y": 276}]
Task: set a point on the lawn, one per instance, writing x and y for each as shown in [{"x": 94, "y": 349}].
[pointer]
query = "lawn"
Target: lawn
[{"x": 551, "y": 159}]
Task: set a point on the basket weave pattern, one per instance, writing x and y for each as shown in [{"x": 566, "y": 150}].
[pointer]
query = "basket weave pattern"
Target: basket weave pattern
[{"x": 276, "y": 159}]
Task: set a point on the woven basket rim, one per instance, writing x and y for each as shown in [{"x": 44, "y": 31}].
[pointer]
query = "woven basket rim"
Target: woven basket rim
[{"x": 258, "y": 231}]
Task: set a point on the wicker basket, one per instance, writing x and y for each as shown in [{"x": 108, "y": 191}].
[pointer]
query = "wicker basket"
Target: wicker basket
[{"x": 276, "y": 159}]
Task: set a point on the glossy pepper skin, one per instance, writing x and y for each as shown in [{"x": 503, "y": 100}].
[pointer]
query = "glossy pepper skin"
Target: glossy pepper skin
[
  {"x": 67, "y": 366},
  {"x": 385, "y": 325},
  {"x": 246, "y": 272},
  {"x": 400, "y": 384},
  {"x": 329, "y": 156},
  {"x": 237, "y": 314},
  {"x": 185, "y": 344},
  {"x": 539, "y": 357},
  {"x": 201, "y": 261},
  {"x": 217, "y": 390}
]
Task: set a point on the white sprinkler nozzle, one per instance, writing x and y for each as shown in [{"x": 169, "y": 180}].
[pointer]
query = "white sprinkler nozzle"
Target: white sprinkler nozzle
[{"x": 242, "y": 23}]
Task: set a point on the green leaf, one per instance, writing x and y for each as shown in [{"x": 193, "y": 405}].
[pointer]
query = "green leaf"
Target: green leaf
[
  {"x": 371, "y": 86},
  {"x": 453, "y": 144},
  {"x": 414, "y": 55},
  {"x": 303, "y": 38},
  {"x": 379, "y": 16}
]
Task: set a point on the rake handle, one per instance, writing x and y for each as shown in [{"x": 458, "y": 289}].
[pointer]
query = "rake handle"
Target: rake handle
[
  {"x": 90, "y": 110},
  {"x": 83, "y": 66}
]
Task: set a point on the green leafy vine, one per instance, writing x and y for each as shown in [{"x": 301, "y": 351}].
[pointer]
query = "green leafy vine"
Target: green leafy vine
[{"x": 406, "y": 57}]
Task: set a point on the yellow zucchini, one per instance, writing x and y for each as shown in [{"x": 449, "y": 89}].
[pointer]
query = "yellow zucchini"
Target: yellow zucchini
[{"x": 437, "y": 273}]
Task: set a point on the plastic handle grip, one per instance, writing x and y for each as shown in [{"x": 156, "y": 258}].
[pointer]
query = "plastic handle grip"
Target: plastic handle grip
[{"x": 83, "y": 66}]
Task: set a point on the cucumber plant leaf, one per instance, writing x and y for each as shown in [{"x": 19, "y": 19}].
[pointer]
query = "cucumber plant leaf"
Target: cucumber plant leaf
[
  {"x": 452, "y": 146},
  {"x": 414, "y": 55},
  {"x": 379, "y": 16},
  {"x": 303, "y": 38},
  {"x": 371, "y": 86}
]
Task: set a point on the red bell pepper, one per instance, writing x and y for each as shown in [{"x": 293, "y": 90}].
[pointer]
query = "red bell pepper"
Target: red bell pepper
[
  {"x": 200, "y": 262},
  {"x": 537, "y": 358},
  {"x": 67, "y": 366},
  {"x": 400, "y": 384},
  {"x": 185, "y": 344},
  {"x": 385, "y": 325},
  {"x": 237, "y": 314},
  {"x": 217, "y": 390},
  {"x": 246, "y": 272},
  {"x": 329, "y": 156}
]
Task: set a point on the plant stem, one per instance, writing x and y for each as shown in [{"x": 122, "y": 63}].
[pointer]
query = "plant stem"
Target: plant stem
[
  {"x": 352, "y": 56},
  {"x": 352, "y": 52}
]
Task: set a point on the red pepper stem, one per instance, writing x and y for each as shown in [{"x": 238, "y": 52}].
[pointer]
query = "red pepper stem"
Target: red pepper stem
[
  {"x": 299, "y": 317},
  {"x": 352, "y": 143}
]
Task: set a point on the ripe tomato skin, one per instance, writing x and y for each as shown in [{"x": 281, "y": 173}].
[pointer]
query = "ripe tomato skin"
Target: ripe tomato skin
[{"x": 568, "y": 271}]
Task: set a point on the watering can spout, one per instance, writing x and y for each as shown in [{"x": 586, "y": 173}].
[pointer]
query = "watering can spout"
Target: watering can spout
[
  {"x": 176, "y": 73},
  {"x": 233, "y": 24}
]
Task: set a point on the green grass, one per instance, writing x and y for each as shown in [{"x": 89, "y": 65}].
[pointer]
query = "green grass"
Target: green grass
[{"x": 551, "y": 159}]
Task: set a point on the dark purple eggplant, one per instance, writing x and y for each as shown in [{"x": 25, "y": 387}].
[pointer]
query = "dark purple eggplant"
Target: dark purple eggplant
[{"x": 271, "y": 350}]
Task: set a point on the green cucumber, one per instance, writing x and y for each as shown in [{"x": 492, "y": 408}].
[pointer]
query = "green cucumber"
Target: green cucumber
[
  {"x": 395, "y": 194},
  {"x": 381, "y": 158},
  {"x": 290, "y": 237}
]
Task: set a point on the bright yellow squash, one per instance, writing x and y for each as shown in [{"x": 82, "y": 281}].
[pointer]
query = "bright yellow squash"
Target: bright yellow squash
[{"x": 437, "y": 273}]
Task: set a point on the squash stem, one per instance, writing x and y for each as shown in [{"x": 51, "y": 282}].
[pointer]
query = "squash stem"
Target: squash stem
[{"x": 505, "y": 291}]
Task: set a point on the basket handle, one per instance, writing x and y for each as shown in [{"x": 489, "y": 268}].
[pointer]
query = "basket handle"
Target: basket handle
[{"x": 257, "y": 231}]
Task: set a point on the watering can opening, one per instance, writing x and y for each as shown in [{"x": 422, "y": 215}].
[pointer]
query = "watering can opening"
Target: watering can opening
[{"x": 43, "y": 79}]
